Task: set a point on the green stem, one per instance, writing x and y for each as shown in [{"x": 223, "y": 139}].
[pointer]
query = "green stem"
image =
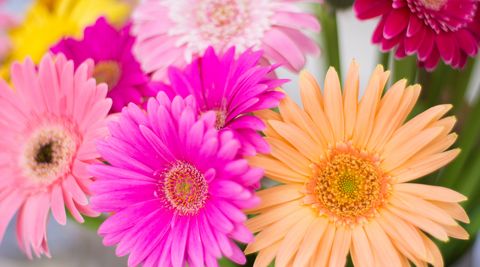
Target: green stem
[
  {"x": 384, "y": 60},
  {"x": 328, "y": 19},
  {"x": 461, "y": 85},
  {"x": 405, "y": 68}
]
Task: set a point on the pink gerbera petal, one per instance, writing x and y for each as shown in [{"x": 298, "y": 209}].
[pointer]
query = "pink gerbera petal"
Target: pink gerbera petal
[
  {"x": 42, "y": 166},
  {"x": 176, "y": 32},
  {"x": 176, "y": 213}
]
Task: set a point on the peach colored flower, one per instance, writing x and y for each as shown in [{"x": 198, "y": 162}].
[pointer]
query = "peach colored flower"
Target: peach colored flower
[{"x": 345, "y": 166}]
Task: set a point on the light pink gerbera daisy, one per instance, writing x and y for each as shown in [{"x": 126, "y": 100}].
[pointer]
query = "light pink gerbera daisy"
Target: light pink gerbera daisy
[
  {"x": 174, "y": 32},
  {"x": 48, "y": 124}
]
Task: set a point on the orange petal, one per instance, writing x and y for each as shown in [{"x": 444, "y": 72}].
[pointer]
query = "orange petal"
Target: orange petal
[
  {"x": 434, "y": 147},
  {"x": 421, "y": 207},
  {"x": 267, "y": 114},
  {"x": 403, "y": 232},
  {"x": 415, "y": 94},
  {"x": 276, "y": 170},
  {"x": 388, "y": 107},
  {"x": 341, "y": 244},
  {"x": 456, "y": 231},
  {"x": 276, "y": 195},
  {"x": 277, "y": 230},
  {"x": 266, "y": 255},
  {"x": 311, "y": 241},
  {"x": 423, "y": 167},
  {"x": 320, "y": 258},
  {"x": 270, "y": 132},
  {"x": 392, "y": 125},
  {"x": 260, "y": 222},
  {"x": 310, "y": 100},
  {"x": 421, "y": 222},
  {"x": 409, "y": 148},
  {"x": 313, "y": 89},
  {"x": 293, "y": 239},
  {"x": 433, "y": 249},
  {"x": 412, "y": 128},
  {"x": 366, "y": 113},
  {"x": 350, "y": 98},
  {"x": 333, "y": 104},
  {"x": 430, "y": 192},
  {"x": 403, "y": 248},
  {"x": 381, "y": 244},
  {"x": 363, "y": 250},
  {"x": 453, "y": 209},
  {"x": 299, "y": 140},
  {"x": 289, "y": 156},
  {"x": 293, "y": 114}
]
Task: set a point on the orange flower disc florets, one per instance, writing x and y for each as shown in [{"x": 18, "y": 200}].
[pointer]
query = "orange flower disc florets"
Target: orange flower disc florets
[{"x": 347, "y": 186}]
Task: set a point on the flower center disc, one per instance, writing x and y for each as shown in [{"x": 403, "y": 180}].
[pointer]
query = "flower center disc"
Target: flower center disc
[
  {"x": 222, "y": 18},
  {"x": 108, "y": 72},
  {"x": 185, "y": 188},
  {"x": 48, "y": 154},
  {"x": 348, "y": 186}
]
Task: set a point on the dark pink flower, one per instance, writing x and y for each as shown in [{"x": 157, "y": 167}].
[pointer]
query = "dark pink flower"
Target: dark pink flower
[
  {"x": 115, "y": 65},
  {"x": 433, "y": 28},
  {"x": 175, "y": 185}
]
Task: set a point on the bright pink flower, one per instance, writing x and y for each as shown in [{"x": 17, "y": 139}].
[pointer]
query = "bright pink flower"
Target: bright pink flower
[
  {"x": 115, "y": 65},
  {"x": 432, "y": 28},
  {"x": 175, "y": 185},
  {"x": 174, "y": 32},
  {"x": 48, "y": 124},
  {"x": 232, "y": 89}
]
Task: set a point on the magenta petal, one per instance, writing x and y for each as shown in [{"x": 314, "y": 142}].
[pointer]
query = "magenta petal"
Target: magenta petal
[
  {"x": 432, "y": 59},
  {"x": 446, "y": 46},
  {"x": 232, "y": 212},
  {"x": 237, "y": 254},
  {"x": 396, "y": 22},
  {"x": 465, "y": 41},
  {"x": 427, "y": 45},
  {"x": 179, "y": 243},
  {"x": 367, "y": 9},
  {"x": 207, "y": 237},
  {"x": 242, "y": 233},
  {"x": 194, "y": 247},
  {"x": 217, "y": 219},
  {"x": 414, "y": 25},
  {"x": 413, "y": 43},
  {"x": 377, "y": 36},
  {"x": 248, "y": 121}
]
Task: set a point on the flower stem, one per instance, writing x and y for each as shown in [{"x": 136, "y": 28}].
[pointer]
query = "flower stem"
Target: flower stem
[
  {"x": 405, "y": 68},
  {"x": 328, "y": 20}
]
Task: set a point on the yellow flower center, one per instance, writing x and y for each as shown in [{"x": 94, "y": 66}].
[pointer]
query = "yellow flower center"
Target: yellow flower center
[
  {"x": 221, "y": 119},
  {"x": 348, "y": 186},
  {"x": 108, "y": 72},
  {"x": 433, "y": 4},
  {"x": 185, "y": 188}
]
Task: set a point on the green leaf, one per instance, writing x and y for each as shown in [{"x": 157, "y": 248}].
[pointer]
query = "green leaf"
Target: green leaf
[{"x": 328, "y": 20}]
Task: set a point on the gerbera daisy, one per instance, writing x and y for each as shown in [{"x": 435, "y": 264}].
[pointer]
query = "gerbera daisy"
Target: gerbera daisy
[
  {"x": 175, "y": 185},
  {"x": 48, "y": 126},
  {"x": 174, "y": 32},
  {"x": 432, "y": 28},
  {"x": 231, "y": 88},
  {"x": 345, "y": 166},
  {"x": 114, "y": 63},
  {"x": 47, "y": 22}
]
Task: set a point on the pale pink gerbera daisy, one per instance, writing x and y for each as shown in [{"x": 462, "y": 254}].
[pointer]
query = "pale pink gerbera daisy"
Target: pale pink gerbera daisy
[
  {"x": 174, "y": 32},
  {"x": 48, "y": 124}
]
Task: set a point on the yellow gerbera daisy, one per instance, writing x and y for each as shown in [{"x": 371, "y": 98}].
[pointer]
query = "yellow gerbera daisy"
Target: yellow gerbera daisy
[
  {"x": 47, "y": 21},
  {"x": 345, "y": 166}
]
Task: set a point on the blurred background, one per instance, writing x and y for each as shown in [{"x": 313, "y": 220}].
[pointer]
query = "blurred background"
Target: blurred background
[{"x": 76, "y": 245}]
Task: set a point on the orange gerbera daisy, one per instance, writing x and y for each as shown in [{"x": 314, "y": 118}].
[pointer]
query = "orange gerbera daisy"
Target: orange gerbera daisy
[{"x": 345, "y": 166}]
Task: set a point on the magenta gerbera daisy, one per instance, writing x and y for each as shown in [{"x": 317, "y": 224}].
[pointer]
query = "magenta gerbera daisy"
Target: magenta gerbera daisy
[
  {"x": 433, "y": 28},
  {"x": 115, "y": 65},
  {"x": 231, "y": 88},
  {"x": 48, "y": 124},
  {"x": 174, "y": 32},
  {"x": 175, "y": 185}
]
